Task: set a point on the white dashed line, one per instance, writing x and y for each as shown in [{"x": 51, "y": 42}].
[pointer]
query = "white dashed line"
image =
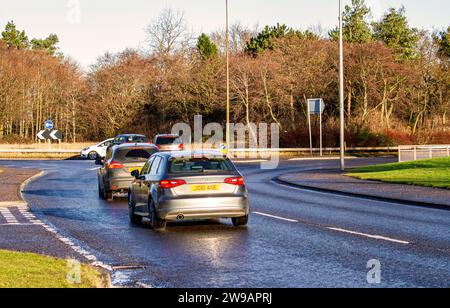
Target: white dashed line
[
  {"x": 371, "y": 236},
  {"x": 376, "y": 237},
  {"x": 276, "y": 217}
]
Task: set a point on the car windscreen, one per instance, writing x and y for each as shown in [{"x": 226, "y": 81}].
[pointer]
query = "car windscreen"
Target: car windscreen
[
  {"x": 168, "y": 140},
  {"x": 200, "y": 165},
  {"x": 134, "y": 155},
  {"x": 131, "y": 139}
]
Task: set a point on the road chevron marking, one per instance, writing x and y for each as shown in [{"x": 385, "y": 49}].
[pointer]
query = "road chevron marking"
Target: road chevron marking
[
  {"x": 376, "y": 237},
  {"x": 276, "y": 217}
]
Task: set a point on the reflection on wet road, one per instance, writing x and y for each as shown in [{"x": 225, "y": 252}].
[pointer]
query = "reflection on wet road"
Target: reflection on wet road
[{"x": 288, "y": 243}]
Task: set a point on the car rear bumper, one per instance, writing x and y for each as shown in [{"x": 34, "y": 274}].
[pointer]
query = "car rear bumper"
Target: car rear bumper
[
  {"x": 119, "y": 184},
  {"x": 203, "y": 208}
]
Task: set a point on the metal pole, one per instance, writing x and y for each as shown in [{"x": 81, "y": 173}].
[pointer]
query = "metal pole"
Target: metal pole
[
  {"x": 228, "y": 78},
  {"x": 310, "y": 129},
  {"x": 321, "y": 137},
  {"x": 341, "y": 86}
]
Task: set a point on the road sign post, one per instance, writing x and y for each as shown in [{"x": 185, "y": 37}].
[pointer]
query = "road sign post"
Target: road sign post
[
  {"x": 310, "y": 129},
  {"x": 315, "y": 106}
]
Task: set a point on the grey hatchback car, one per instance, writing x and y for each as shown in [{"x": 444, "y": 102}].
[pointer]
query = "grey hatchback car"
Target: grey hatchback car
[
  {"x": 178, "y": 186},
  {"x": 114, "y": 177}
]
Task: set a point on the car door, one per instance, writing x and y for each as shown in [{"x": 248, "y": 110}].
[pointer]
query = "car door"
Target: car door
[
  {"x": 147, "y": 183},
  {"x": 137, "y": 184}
]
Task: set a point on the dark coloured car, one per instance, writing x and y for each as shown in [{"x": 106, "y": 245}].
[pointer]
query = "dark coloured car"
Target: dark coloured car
[
  {"x": 114, "y": 177},
  {"x": 178, "y": 186}
]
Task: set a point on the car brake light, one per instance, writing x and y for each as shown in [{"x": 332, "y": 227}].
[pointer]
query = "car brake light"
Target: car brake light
[
  {"x": 181, "y": 147},
  {"x": 115, "y": 165},
  {"x": 158, "y": 147},
  {"x": 238, "y": 181},
  {"x": 168, "y": 184}
]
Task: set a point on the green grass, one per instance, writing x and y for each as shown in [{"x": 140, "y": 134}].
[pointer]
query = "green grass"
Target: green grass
[
  {"x": 430, "y": 173},
  {"x": 26, "y": 270}
]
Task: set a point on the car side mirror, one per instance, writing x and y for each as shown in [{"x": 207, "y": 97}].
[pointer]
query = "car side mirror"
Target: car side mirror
[
  {"x": 136, "y": 174},
  {"x": 99, "y": 161}
]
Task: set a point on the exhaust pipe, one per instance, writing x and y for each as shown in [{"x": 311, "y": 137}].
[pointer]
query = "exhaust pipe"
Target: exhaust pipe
[{"x": 180, "y": 217}]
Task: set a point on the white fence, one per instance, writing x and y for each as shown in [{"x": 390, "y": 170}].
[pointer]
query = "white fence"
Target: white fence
[{"x": 416, "y": 152}]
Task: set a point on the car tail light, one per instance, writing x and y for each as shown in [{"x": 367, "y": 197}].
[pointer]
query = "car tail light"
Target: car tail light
[
  {"x": 238, "y": 181},
  {"x": 115, "y": 165},
  {"x": 168, "y": 184},
  {"x": 181, "y": 147},
  {"x": 158, "y": 147}
]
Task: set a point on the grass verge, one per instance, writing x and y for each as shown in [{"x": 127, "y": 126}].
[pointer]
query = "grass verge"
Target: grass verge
[
  {"x": 26, "y": 270},
  {"x": 429, "y": 173}
]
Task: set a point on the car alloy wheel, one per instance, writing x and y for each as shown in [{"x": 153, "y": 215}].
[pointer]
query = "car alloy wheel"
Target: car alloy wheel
[{"x": 93, "y": 156}]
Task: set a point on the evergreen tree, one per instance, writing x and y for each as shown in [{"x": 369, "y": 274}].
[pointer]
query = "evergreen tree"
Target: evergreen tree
[
  {"x": 265, "y": 39},
  {"x": 443, "y": 41},
  {"x": 15, "y": 38},
  {"x": 356, "y": 25},
  {"x": 206, "y": 47},
  {"x": 394, "y": 30},
  {"x": 47, "y": 45}
]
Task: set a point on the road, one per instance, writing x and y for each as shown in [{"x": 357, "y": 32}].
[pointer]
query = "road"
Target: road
[{"x": 295, "y": 238}]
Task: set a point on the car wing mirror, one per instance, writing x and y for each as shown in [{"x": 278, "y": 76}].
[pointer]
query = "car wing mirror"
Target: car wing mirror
[
  {"x": 135, "y": 174},
  {"x": 99, "y": 162}
]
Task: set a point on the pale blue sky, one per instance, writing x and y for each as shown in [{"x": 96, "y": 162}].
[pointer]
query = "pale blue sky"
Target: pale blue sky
[{"x": 112, "y": 25}]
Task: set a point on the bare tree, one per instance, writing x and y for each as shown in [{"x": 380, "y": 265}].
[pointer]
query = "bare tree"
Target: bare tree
[{"x": 168, "y": 32}]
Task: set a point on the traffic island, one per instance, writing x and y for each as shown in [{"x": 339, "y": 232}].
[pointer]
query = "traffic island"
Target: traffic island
[
  {"x": 12, "y": 181},
  {"x": 32, "y": 255},
  {"x": 334, "y": 181},
  {"x": 27, "y": 270}
]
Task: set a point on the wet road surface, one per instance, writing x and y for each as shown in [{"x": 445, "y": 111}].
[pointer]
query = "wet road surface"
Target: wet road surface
[{"x": 295, "y": 238}]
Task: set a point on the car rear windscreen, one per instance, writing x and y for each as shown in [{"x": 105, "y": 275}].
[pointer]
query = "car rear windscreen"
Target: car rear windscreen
[
  {"x": 168, "y": 140},
  {"x": 200, "y": 165},
  {"x": 134, "y": 155}
]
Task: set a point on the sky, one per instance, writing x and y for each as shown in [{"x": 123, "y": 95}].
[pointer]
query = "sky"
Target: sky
[{"x": 89, "y": 28}]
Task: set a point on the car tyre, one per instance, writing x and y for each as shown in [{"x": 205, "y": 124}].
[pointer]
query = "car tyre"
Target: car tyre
[
  {"x": 134, "y": 219},
  {"x": 93, "y": 155},
  {"x": 100, "y": 191},
  {"x": 240, "y": 221},
  {"x": 108, "y": 195},
  {"x": 156, "y": 223}
]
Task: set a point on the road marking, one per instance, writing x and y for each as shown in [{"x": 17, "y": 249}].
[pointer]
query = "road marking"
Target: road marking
[
  {"x": 250, "y": 161},
  {"x": 8, "y": 215},
  {"x": 276, "y": 217},
  {"x": 94, "y": 169},
  {"x": 376, "y": 237},
  {"x": 371, "y": 236}
]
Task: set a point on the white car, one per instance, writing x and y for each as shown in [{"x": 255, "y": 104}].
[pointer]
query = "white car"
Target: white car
[{"x": 97, "y": 151}]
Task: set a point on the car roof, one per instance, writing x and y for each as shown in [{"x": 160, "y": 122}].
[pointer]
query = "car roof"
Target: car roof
[
  {"x": 131, "y": 135},
  {"x": 134, "y": 145},
  {"x": 184, "y": 154},
  {"x": 167, "y": 135}
]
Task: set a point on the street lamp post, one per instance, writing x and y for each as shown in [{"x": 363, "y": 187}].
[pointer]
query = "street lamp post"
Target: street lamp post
[
  {"x": 228, "y": 78},
  {"x": 341, "y": 87}
]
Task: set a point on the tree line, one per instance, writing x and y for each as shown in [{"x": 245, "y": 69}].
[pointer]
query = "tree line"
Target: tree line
[{"x": 397, "y": 81}]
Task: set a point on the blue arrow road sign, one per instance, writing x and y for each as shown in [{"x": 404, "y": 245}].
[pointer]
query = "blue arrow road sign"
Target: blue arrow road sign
[{"x": 49, "y": 125}]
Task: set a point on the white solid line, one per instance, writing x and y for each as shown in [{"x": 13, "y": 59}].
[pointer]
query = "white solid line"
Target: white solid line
[
  {"x": 94, "y": 169},
  {"x": 276, "y": 217},
  {"x": 376, "y": 237}
]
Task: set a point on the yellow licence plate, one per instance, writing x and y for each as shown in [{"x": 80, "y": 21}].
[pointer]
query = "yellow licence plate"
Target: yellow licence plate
[
  {"x": 134, "y": 169},
  {"x": 196, "y": 188}
]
